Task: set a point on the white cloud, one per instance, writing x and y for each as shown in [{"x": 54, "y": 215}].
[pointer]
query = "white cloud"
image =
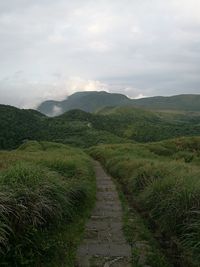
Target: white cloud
[
  {"x": 56, "y": 111},
  {"x": 15, "y": 90},
  {"x": 100, "y": 46},
  {"x": 112, "y": 45},
  {"x": 140, "y": 96}
]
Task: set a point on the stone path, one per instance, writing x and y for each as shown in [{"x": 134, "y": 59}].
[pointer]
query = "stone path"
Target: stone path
[{"x": 104, "y": 244}]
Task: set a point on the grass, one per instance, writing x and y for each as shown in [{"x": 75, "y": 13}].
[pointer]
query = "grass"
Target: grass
[
  {"x": 145, "y": 249},
  {"x": 163, "y": 181},
  {"x": 46, "y": 193}
]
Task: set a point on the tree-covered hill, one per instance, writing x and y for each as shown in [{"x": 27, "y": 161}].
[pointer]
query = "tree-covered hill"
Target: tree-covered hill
[
  {"x": 83, "y": 129},
  {"x": 19, "y": 125},
  {"x": 93, "y": 101}
]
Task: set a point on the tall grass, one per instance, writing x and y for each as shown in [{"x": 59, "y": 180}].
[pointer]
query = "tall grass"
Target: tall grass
[
  {"x": 44, "y": 188},
  {"x": 163, "y": 180}
]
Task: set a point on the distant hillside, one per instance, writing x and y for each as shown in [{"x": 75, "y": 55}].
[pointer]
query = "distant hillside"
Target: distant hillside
[
  {"x": 87, "y": 101},
  {"x": 178, "y": 102},
  {"x": 84, "y": 129},
  {"x": 18, "y": 126},
  {"x": 146, "y": 126},
  {"x": 93, "y": 101}
]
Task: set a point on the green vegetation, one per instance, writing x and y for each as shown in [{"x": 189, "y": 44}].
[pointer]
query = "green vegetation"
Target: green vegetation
[
  {"x": 46, "y": 193},
  {"x": 93, "y": 101},
  {"x": 86, "y": 101},
  {"x": 187, "y": 102},
  {"x": 47, "y": 189},
  {"x": 18, "y": 126},
  {"x": 146, "y": 251},
  {"x": 162, "y": 180},
  {"x": 82, "y": 129},
  {"x": 148, "y": 126}
]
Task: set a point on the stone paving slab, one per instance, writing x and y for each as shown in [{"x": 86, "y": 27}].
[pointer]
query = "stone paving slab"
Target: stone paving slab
[
  {"x": 108, "y": 206},
  {"x": 103, "y": 207},
  {"x": 104, "y": 243}
]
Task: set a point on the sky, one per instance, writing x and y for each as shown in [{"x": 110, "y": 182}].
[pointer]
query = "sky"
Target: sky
[{"x": 50, "y": 49}]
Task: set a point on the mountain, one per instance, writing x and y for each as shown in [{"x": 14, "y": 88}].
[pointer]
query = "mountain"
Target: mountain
[
  {"x": 84, "y": 129},
  {"x": 93, "y": 101},
  {"x": 187, "y": 102},
  {"x": 87, "y": 101}
]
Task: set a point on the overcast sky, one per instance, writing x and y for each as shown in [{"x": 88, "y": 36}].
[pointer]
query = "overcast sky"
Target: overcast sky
[{"x": 50, "y": 49}]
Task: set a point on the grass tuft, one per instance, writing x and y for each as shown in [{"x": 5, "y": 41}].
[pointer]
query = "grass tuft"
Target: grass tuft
[
  {"x": 44, "y": 192},
  {"x": 163, "y": 181}
]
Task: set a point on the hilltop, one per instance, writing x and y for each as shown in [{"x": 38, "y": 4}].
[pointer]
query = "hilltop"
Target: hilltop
[
  {"x": 86, "y": 101},
  {"x": 94, "y": 101}
]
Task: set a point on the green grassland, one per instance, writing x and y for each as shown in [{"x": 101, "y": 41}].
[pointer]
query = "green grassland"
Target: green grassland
[
  {"x": 147, "y": 126},
  {"x": 162, "y": 182},
  {"x": 47, "y": 188},
  {"x": 46, "y": 193}
]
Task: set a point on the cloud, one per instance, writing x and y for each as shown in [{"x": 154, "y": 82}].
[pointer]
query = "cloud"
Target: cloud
[
  {"x": 56, "y": 111},
  {"x": 140, "y": 96},
  {"x": 50, "y": 49},
  {"x": 16, "y": 90}
]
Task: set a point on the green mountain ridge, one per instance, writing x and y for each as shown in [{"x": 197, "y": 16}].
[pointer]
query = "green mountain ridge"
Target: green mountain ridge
[
  {"x": 87, "y": 101},
  {"x": 84, "y": 129},
  {"x": 18, "y": 126},
  {"x": 94, "y": 101}
]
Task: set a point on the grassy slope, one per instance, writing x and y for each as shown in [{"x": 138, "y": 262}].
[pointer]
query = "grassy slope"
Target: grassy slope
[
  {"x": 162, "y": 180},
  {"x": 46, "y": 193},
  {"x": 146, "y": 251},
  {"x": 147, "y": 126}
]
